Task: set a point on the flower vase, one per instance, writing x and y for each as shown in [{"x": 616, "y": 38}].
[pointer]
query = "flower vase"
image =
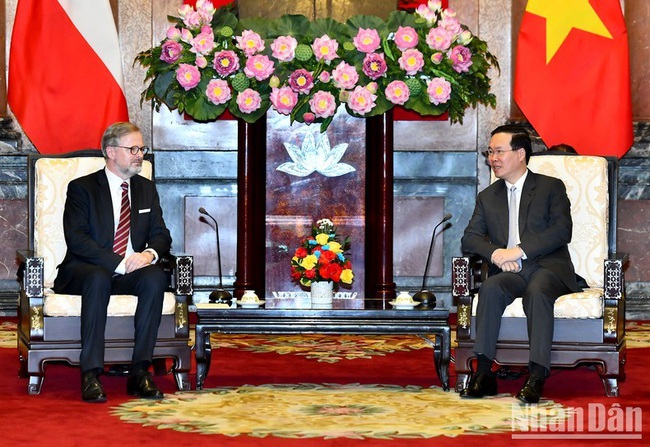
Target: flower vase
[{"x": 322, "y": 293}]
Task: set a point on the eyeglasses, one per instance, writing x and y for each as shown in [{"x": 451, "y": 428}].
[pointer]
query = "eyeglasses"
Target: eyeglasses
[
  {"x": 135, "y": 149},
  {"x": 498, "y": 153}
]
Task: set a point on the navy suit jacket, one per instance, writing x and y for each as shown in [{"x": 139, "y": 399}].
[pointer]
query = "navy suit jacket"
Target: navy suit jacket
[
  {"x": 88, "y": 224},
  {"x": 545, "y": 225}
]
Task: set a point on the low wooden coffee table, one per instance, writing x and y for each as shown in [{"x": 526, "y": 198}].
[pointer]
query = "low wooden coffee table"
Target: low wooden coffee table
[{"x": 294, "y": 321}]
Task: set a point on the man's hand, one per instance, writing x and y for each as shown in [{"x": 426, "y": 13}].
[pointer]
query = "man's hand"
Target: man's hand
[
  {"x": 138, "y": 260},
  {"x": 504, "y": 258}
]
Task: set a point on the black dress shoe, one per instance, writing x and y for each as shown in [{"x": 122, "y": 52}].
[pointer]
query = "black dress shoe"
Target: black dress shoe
[
  {"x": 480, "y": 385},
  {"x": 142, "y": 385},
  {"x": 532, "y": 390},
  {"x": 91, "y": 389}
]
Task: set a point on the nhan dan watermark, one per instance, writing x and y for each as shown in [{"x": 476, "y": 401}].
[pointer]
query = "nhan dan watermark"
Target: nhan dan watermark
[{"x": 595, "y": 421}]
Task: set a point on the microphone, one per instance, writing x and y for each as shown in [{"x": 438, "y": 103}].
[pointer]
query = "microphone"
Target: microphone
[
  {"x": 426, "y": 297},
  {"x": 220, "y": 295}
]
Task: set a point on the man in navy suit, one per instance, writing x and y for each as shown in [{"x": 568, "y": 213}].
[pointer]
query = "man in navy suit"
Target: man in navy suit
[
  {"x": 528, "y": 257},
  {"x": 92, "y": 269}
]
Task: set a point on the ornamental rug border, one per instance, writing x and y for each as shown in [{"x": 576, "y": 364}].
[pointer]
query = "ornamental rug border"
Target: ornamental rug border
[{"x": 330, "y": 411}]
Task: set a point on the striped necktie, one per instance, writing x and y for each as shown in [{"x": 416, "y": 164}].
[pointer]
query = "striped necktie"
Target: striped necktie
[{"x": 124, "y": 225}]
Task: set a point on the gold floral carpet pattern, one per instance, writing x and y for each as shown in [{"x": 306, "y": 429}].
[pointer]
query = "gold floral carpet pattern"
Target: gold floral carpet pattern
[
  {"x": 8, "y": 334},
  {"x": 322, "y": 347},
  {"x": 335, "y": 411}
]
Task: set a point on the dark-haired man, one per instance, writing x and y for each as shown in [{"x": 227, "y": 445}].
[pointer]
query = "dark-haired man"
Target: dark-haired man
[{"x": 522, "y": 225}]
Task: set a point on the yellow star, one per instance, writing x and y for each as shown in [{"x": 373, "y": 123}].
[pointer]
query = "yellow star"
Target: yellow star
[{"x": 564, "y": 15}]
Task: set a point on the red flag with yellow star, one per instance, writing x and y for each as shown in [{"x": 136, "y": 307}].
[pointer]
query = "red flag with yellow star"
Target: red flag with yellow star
[{"x": 572, "y": 79}]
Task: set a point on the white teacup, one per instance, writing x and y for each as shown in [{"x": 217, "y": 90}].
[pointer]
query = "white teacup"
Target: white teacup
[
  {"x": 249, "y": 297},
  {"x": 404, "y": 298}
]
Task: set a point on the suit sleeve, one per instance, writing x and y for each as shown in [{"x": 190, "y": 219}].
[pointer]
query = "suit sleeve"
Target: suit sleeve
[{"x": 475, "y": 239}]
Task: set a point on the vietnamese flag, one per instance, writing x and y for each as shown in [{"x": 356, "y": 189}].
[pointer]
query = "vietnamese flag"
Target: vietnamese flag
[
  {"x": 572, "y": 79},
  {"x": 65, "y": 73}
]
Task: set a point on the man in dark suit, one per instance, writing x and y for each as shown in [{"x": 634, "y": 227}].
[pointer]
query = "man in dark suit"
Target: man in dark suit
[
  {"x": 528, "y": 257},
  {"x": 98, "y": 207}
]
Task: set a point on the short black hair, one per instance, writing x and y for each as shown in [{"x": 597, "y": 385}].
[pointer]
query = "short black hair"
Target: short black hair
[{"x": 519, "y": 138}]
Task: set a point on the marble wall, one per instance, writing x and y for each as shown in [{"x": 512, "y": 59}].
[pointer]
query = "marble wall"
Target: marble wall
[{"x": 435, "y": 163}]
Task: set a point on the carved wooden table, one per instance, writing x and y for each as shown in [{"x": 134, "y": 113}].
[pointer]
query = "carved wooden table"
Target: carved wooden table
[{"x": 295, "y": 321}]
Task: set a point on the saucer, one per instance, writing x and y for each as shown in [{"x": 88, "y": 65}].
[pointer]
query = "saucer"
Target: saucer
[
  {"x": 250, "y": 305},
  {"x": 404, "y": 306}
]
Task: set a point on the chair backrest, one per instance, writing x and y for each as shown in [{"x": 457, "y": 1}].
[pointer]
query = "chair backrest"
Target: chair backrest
[
  {"x": 48, "y": 178},
  {"x": 591, "y": 186}
]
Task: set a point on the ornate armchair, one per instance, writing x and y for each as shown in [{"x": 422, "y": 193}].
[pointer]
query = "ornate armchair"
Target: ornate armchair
[
  {"x": 589, "y": 326},
  {"x": 49, "y": 323}
]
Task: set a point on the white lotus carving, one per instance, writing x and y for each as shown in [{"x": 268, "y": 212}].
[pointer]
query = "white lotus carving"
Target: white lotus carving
[{"x": 316, "y": 155}]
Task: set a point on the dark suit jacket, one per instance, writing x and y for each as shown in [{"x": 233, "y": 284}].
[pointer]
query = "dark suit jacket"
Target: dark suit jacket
[
  {"x": 88, "y": 224},
  {"x": 545, "y": 225}
]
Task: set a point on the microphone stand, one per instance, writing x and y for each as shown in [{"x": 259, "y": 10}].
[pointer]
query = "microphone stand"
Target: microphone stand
[
  {"x": 220, "y": 295},
  {"x": 426, "y": 297}
]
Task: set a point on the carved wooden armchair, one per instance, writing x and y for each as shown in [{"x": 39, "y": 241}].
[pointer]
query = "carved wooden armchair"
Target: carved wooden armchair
[
  {"x": 589, "y": 326},
  {"x": 49, "y": 323}
]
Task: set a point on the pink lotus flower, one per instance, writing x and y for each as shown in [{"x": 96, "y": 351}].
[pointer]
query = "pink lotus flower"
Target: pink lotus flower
[
  {"x": 367, "y": 40},
  {"x": 411, "y": 61},
  {"x": 345, "y": 75},
  {"x": 284, "y": 48},
  {"x": 323, "y": 104},
  {"x": 186, "y": 36},
  {"x": 250, "y": 42},
  {"x": 374, "y": 65},
  {"x": 201, "y": 61},
  {"x": 439, "y": 39},
  {"x": 436, "y": 58},
  {"x": 406, "y": 37},
  {"x": 301, "y": 81},
  {"x": 188, "y": 76},
  {"x": 439, "y": 90},
  {"x": 203, "y": 43},
  {"x": 429, "y": 11},
  {"x": 249, "y": 101},
  {"x": 284, "y": 100},
  {"x": 218, "y": 91},
  {"x": 193, "y": 20},
  {"x": 324, "y": 77},
  {"x": 171, "y": 51},
  {"x": 461, "y": 58},
  {"x": 397, "y": 92},
  {"x": 361, "y": 101},
  {"x": 451, "y": 24},
  {"x": 173, "y": 33},
  {"x": 259, "y": 67},
  {"x": 225, "y": 62},
  {"x": 325, "y": 48}
]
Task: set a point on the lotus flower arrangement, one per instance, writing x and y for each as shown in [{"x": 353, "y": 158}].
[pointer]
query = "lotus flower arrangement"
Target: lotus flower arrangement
[
  {"x": 210, "y": 61},
  {"x": 321, "y": 257}
]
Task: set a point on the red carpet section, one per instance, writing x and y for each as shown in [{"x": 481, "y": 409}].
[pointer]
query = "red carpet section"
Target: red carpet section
[{"x": 337, "y": 391}]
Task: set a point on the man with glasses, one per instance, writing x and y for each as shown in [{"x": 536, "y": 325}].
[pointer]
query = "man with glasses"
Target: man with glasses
[
  {"x": 522, "y": 225},
  {"x": 115, "y": 234}
]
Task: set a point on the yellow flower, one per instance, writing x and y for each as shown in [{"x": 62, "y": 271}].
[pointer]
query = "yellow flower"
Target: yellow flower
[
  {"x": 309, "y": 262},
  {"x": 322, "y": 238},
  {"x": 347, "y": 276},
  {"x": 335, "y": 247}
]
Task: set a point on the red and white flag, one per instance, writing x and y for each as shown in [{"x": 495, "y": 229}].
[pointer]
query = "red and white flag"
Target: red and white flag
[
  {"x": 572, "y": 76},
  {"x": 65, "y": 73}
]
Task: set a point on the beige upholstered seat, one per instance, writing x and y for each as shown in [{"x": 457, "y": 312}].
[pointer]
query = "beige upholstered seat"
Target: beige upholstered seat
[
  {"x": 51, "y": 184},
  {"x": 49, "y": 323}
]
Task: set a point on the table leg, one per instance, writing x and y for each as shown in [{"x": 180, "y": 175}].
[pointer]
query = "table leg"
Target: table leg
[
  {"x": 442, "y": 356},
  {"x": 203, "y": 355}
]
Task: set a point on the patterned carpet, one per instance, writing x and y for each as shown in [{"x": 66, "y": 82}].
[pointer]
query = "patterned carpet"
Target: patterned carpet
[{"x": 353, "y": 411}]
